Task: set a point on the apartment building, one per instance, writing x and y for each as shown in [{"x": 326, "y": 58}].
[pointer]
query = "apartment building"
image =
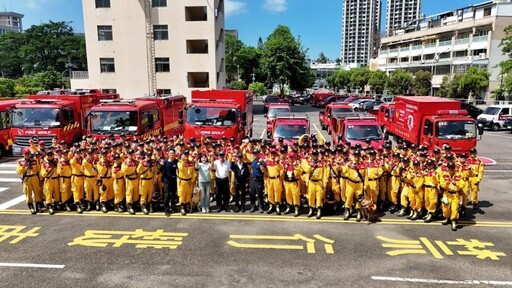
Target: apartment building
[
  {"x": 450, "y": 42},
  {"x": 10, "y": 22},
  {"x": 360, "y": 31},
  {"x": 400, "y": 13},
  {"x": 145, "y": 47}
]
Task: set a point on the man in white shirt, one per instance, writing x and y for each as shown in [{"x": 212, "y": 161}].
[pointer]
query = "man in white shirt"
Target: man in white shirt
[{"x": 222, "y": 168}]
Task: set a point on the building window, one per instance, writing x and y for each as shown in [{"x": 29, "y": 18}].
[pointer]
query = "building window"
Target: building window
[
  {"x": 105, "y": 33},
  {"x": 487, "y": 11},
  {"x": 160, "y": 32},
  {"x": 162, "y": 65},
  {"x": 102, "y": 3},
  {"x": 109, "y": 91},
  {"x": 107, "y": 65},
  {"x": 198, "y": 80},
  {"x": 196, "y": 13},
  {"x": 159, "y": 3},
  {"x": 164, "y": 92},
  {"x": 197, "y": 46}
]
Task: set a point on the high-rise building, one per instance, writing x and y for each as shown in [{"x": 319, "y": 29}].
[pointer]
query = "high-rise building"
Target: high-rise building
[
  {"x": 360, "y": 31},
  {"x": 10, "y": 22},
  {"x": 145, "y": 47},
  {"x": 400, "y": 13}
]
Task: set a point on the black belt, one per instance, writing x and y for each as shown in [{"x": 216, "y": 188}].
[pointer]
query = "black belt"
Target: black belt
[
  {"x": 77, "y": 175},
  {"x": 66, "y": 177},
  {"x": 54, "y": 177},
  {"x": 291, "y": 180},
  {"x": 221, "y": 179},
  {"x": 90, "y": 176},
  {"x": 183, "y": 179},
  {"x": 373, "y": 179},
  {"x": 315, "y": 180},
  {"x": 273, "y": 177},
  {"x": 355, "y": 182},
  {"x": 28, "y": 176},
  {"x": 119, "y": 178},
  {"x": 131, "y": 178},
  {"x": 451, "y": 192},
  {"x": 146, "y": 178},
  {"x": 429, "y": 186}
]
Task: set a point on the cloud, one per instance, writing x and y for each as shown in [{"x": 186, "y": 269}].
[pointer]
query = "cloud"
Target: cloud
[
  {"x": 233, "y": 7},
  {"x": 37, "y": 4},
  {"x": 275, "y": 6}
]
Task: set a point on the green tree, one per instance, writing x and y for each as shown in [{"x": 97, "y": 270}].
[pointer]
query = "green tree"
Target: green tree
[
  {"x": 25, "y": 85},
  {"x": 321, "y": 58},
  {"x": 233, "y": 46},
  {"x": 359, "y": 78},
  {"x": 400, "y": 82},
  {"x": 258, "y": 88},
  {"x": 48, "y": 80},
  {"x": 340, "y": 79},
  {"x": 450, "y": 86},
  {"x": 422, "y": 82},
  {"x": 249, "y": 60},
  {"x": 53, "y": 45},
  {"x": 6, "y": 87},
  {"x": 237, "y": 85},
  {"x": 506, "y": 48},
  {"x": 377, "y": 81},
  {"x": 10, "y": 62},
  {"x": 474, "y": 81},
  {"x": 284, "y": 61}
]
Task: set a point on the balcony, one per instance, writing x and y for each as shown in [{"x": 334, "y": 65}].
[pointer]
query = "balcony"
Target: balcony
[
  {"x": 80, "y": 75},
  {"x": 482, "y": 38},
  {"x": 462, "y": 41}
]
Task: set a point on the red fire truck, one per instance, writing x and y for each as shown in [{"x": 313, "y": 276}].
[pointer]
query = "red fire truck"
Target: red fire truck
[
  {"x": 218, "y": 113},
  {"x": 142, "y": 116},
  {"x": 430, "y": 121},
  {"x": 290, "y": 128},
  {"x": 5, "y": 126},
  {"x": 357, "y": 130},
  {"x": 48, "y": 116}
]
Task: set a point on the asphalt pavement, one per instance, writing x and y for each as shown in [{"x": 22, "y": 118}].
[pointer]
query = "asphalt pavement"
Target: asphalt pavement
[{"x": 244, "y": 249}]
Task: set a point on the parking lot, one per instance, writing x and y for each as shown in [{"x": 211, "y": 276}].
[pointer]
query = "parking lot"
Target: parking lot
[{"x": 244, "y": 249}]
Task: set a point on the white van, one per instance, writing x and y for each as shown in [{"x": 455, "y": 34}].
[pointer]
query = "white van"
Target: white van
[{"x": 494, "y": 116}]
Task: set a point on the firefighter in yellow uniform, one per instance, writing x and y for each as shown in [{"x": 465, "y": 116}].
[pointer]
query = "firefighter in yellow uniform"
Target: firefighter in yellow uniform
[
  {"x": 129, "y": 170},
  {"x": 146, "y": 171},
  {"x": 317, "y": 183},
  {"x": 477, "y": 168},
  {"x": 77, "y": 180},
  {"x": 92, "y": 194},
  {"x": 414, "y": 181},
  {"x": 186, "y": 174},
  {"x": 64, "y": 171},
  {"x": 304, "y": 166},
  {"x": 430, "y": 184},
  {"x": 107, "y": 183},
  {"x": 374, "y": 171},
  {"x": 394, "y": 168},
  {"x": 333, "y": 183},
  {"x": 28, "y": 169},
  {"x": 355, "y": 173},
  {"x": 291, "y": 175},
  {"x": 452, "y": 185},
  {"x": 465, "y": 169},
  {"x": 51, "y": 182},
  {"x": 119, "y": 184},
  {"x": 405, "y": 187},
  {"x": 274, "y": 172}
]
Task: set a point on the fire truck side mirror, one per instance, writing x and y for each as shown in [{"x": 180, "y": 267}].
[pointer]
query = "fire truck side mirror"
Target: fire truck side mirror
[
  {"x": 180, "y": 117},
  {"x": 480, "y": 129}
]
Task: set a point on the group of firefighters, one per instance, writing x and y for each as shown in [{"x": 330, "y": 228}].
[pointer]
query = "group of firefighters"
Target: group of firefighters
[{"x": 127, "y": 173}]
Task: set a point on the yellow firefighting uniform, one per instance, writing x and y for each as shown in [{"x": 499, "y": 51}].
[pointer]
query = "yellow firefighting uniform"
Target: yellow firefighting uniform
[
  {"x": 291, "y": 175},
  {"x": 414, "y": 180},
  {"x": 452, "y": 186},
  {"x": 465, "y": 171},
  {"x": 64, "y": 171},
  {"x": 92, "y": 193},
  {"x": 477, "y": 169},
  {"x": 77, "y": 180},
  {"x": 374, "y": 171},
  {"x": 274, "y": 173},
  {"x": 51, "y": 182},
  {"x": 119, "y": 184},
  {"x": 430, "y": 184},
  {"x": 186, "y": 173},
  {"x": 354, "y": 184},
  {"x": 29, "y": 172},
  {"x": 333, "y": 183},
  {"x": 146, "y": 171},
  {"x": 384, "y": 180},
  {"x": 105, "y": 175},
  {"x": 394, "y": 182},
  {"x": 318, "y": 175},
  {"x": 129, "y": 170}
]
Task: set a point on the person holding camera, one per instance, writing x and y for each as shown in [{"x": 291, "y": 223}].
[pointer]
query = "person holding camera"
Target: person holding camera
[{"x": 27, "y": 168}]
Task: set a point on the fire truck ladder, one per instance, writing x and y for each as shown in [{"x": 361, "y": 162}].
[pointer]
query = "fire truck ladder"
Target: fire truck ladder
[{"x": 150, "y": 46}]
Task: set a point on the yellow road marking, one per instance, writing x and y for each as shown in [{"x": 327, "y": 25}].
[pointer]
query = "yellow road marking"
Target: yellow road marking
[
  {"x": 443, "y": 247},
  {"x": 265, "y": 246},
  {"x": 319, "y": 132},
  {"x": 431, "y": 248},
  {"x": 324, "y": 220},
  {"x": 263, "y": 133}
]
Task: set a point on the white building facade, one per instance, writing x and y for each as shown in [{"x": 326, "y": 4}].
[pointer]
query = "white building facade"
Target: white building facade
[
  {"x": 145, "y": 47},
  {"x": 400, "y": 13},
  {"x": 10, "y": 22},
  {"x": 450, "y": 42},
  {"x": 360, "y": 31}
]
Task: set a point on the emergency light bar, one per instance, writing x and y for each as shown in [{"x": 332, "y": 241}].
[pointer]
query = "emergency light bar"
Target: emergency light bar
[
  {"x": 452, "y": 112},
  {"x": 116, "y": 101},
  {"x": 39, "y": 100}
]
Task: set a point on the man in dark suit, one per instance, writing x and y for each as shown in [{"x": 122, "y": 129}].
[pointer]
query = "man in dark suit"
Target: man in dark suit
[{"x": 241, "y": 173}]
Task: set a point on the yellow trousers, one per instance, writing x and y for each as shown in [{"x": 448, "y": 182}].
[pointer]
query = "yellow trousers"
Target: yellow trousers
[
  {"x": 184, "y": 191},
  {"x": 65, "y": 189},
  {"x": 92, "y": 193},
  {"x": 334, "y": 185},
  {"x": 146, "y": 190},
  {"x": 451, "y": 210},
  {"x": 475, "y": 188},
  {"x": 132, "y": 190},
  {"x": 107, "y": 194},
  {"x": 431, "y": 195},
  {"x": 351, "y": 193},
  {"x": 274, "y": 190},
  {"x": 393, "y": 189},
  {"x": 316, "y": 194},
  {"x": 292, "y": 191},
  {"x": 416, "y": 197},
  {"x": 31, "y": 185},
  {"x": 119, "y": 190},
  {"x": 77, "y": 187},
  {"x": 51, "y": 190}
]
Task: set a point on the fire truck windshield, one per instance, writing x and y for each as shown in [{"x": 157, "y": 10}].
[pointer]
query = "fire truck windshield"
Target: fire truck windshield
[
  {"x": 455, "y": 129},
  {"x": 119, "y": 121},
  {"x": 36, "y": 117},
  {"x": 363, "y": 132},
  {"x": 290, "y": 131},
  {"x": 212, "y": 116},
  {"x": 338, "y": 111}
]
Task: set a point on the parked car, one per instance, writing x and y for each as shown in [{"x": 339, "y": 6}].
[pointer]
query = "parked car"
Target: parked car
[
  {"x": 305, "y": 99},
  {"x": 331, "y": 99},
  {"x": 508, "y": 123},
  {"x": 369, "y": 105},
  {"x": 355, "y": 104},
  {"x": 270, "y": 99},
  {"x": 473, "y": 111}
]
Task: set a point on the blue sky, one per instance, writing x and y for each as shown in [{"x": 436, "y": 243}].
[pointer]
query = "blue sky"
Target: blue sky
[{"x": 317, "y": 22}]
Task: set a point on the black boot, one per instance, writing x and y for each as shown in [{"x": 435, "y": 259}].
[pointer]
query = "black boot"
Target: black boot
[
  {"x": 39, "y": 207},
  {"x": 310, "y": 214},
  {"x": 401, "y": 213},
  {"x": 414, "y": 216},
  {"x": 104, "y": 207},
  {"x": 288, "y": 209},
  {"x": 428, "y": 219},
  {"x": 346, "y": 216},
  {"x": 89, "y": 207},
  {"x": 98, "y": 206},
  {"x": 152, "y": 207},
  {"x": 145, "y": 209},
  {"x": 278, "y": 209},
  {"x": 270, "y": 208},
  {"x": 182, "y": 210},
  {"x": 296, "y": 211},
  {"x": 447, "y": 221},
  {"x": 359, "y": 216},
  {"x": 319, "y": 213},
  {"x": 32, "y": 209},
  {"x": 454, "y": 225},
  {"x": 79, "y": 208},
  {"x": 475, "y": 205},
  {"x": 130, "y": 209},
  {"x": 50, "y": 209},
  {"x": 410, "y": 214},
  {"x": 68, "y": 208},
  {"x": 462, "y": 210},
  {"x": 116, "y": 208}
]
